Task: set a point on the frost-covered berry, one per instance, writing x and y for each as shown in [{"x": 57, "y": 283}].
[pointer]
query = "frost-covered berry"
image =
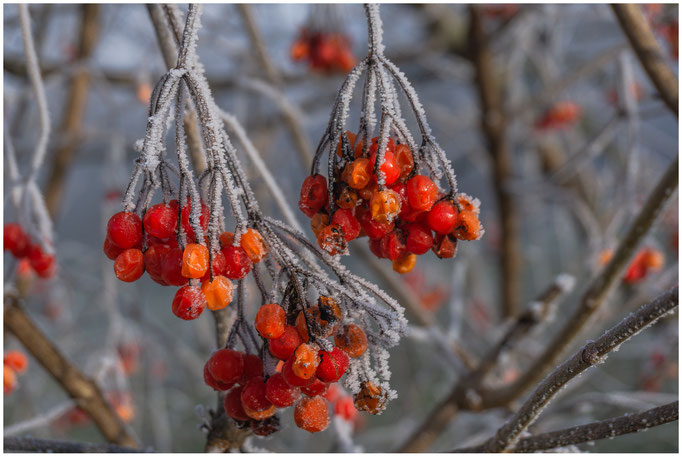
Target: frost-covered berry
[
  {"x": 468, "y": 226},
  {"x": 161, "y": 221},
  {"x": 312, "y": 414},
  {"x": 283, "y": 347},
  {"x": 390, "y": 167},
  {"x": 254, "y": 245},
  {"x": 422, "y": 192},
  {"x": 124, "y": 229},
  {"x": 404, "y": 159},
  {"x": 357, "y": 173},
  {"x": 189, "y": 302},
  {"x": 218, "y": 292},
  {"x": 314, "y": 195},
  {"x": 279, "y": 392},
  {"x": 270, "y": 321},
  {"x": 332, "y": 365},
  {"x": 318, "y": 387},
  {"x": 371, "y": 398},
  {"x": 306, "y": 361},
  {"x": 345, "y": 219},
  {"x": 194, "y": 261},
  {"x": 331, "y": 240},
  {"x": 351, "y": 339},
  {"x": 237, "y": 262},
  {"x": 374, "y": 229},
  {"x": 384, "y": 206},
  {"x": 291, "y": 378}
]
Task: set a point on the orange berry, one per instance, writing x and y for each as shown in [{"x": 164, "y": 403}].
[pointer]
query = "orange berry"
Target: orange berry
[
  {"x": 323, "y": 319},
  {"x": 384, "y": 205},
  {"x": 468, "y": 227},
  {"x": 467, "y": 203},
  {"x": 254, "y": 245},
  {"x": 299, "y": 50},
  {"x": 270, "y": 321},
  {"x": 605, "y": 256},
  {"x": 366, "y": 192},
  {"x": 259, "y": 415},
  {"x": 347, "y": 198},
  {"x": 306, "y": 361},
  {"x": 371, "y": 398},
  {"x": 312, "y": 414},
  {"x": 16, "y": 360},
  {"x": 653, "y": 259},
  {"x": 357, "y": 173},
  {"x": 318, "y": 222},
  {"x": 405, "y": 263},
  {"x": 226, "y": 239},
  {"x": 351, "y": 339},
  {"x": 194, "y": 261},
  {"x": 403, "y": 156},
  {"x": 218, "y": 292},
  {"x": 9, "y": 379},
  {"x": 331, "y": 240}
]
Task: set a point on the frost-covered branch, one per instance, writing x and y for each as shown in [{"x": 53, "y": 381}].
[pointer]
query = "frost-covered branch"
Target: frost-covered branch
[{"x": 30, "y": 444}]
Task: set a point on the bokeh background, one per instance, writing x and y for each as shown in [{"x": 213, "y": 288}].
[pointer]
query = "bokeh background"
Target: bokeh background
[{"x": 573, "y": 197}]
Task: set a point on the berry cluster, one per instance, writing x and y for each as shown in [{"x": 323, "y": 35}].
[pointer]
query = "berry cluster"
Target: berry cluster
[
  {"x": 308, "y": 365},
  {"x": 403, "y": 219},
  {"x": 646, "y": 261},
  {"x": 14, "y": 363},
  {"x": 19, "y": 244},
  {"x": 560, "y": 115},
  {"x": 325, "y": 52},
  {"x": 203, "y": 277}
]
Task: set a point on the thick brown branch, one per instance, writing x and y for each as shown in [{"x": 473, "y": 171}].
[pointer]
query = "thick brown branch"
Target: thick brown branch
[
  {"x": 28, "y": 444},
  {"x": 644, "y": 43},
  {"x": 609, "y": 428},
  {"x": 82, "y": 389}
]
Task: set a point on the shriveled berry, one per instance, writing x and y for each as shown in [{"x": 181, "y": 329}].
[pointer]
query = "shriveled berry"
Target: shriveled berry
[
  {"x": 265, "y": 427},
  {"x": 345, "y": 219},
  {"x": 189, "y": 302},
  {"x": 322, "y": 319},
  {"x": 468, "y": 226},
  {"x": 233, "y": 404},
  {"x": 270, "y": 321},
  {"x": 374, "y": 229},
  {"x": 445, "y": 246},
  {"x": 357, "y": 174},
  {"x": 443, "y": 217},
  {"x": 318, "y": 222},
  {"x": 291, "y": 378},
  {"x": 384, "y": 206},
  {"x": 331, "y": 240},
  {"x": 124, "y": 229},
  {"x": 404, "y": 159},
  {"x": 351, "y": 339},
  {"x": 226, "y": 365},
  {"x": 253, "y": 367},
  {"x": 332, "y": 365},
  {"x": 194, "y": 261},
  {"x": 306, "y": 361},
  {"x": 212, "y": 382},
  {"x": 254, "y": 245},
  {"x": 467, "y": 203},
  {"x": 314, "y": 195},
  {"x": 16, "y": 240},
  {"x": 43, "y": 264},
  {"x": 316, "y": 388},
  {"x": 421, "y": 192},
  {"x": 218, "y": 293},
  {"x": 366, "y": 192},
  {"x": 129, "y": 265},
  {"x": 405, "y": 263},
  {"x": 347, "y": 198},
  {"x": 312, "y": 414},
  {"x": 161, "y": 221},
  {"x": 418, "y": 239},
  {"x": 371, "y": 398},
  {"x": 279, "y": 392},
  {"x": 284, "y": 346},
  {"x": 237, "y": 262},
  {"x": 16, "y": 360},
  {"x": 392, "y": 245}
]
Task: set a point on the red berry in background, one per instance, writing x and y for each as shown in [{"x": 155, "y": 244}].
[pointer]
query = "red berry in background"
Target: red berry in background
[
  {"x": 253, "y": 367},
  {"x": 124, "y": 229},
  {"x": 374, "y": 229},
  {"x": 171, "y": 271},
  {"x": 15, "y": 240},
  {"x": 348, "y": 223},
  {"x": 129, "y": 265},
  {"x": 392, "y": 245},
  {"x": 110, "y": 249},
  {"x": 189, "y": 302},
  {"x": 279, "y": 392},
  {"x": 212, "y": 382},
  {"x": 316, "y": 388},
  {"x": 443, "y": 217},
  {"x": 312, "y": 414},
  {"x": 226, "y": 365},
  {"x": 253, "y": 395},
  {"x": 445, "y": 246},
  {"x": 418, "y": 240},
  {"x": 153, "y": 262},
  {"x": 291, "y": 378},
  {"x": 42, "y": 263},
  {"x": 161, "y": 221},
  {"x": 332, "y": 365},
  {"x": 345, "y": 408},
  {"x": 314, "y": 195},
  {"x": 283, "y": 347},
  {"x": 421, "y": 192},
  {"x": 390, "y": 167},
  {"x": 233, "y": 404},
  {"x": 237, "y": 262}
]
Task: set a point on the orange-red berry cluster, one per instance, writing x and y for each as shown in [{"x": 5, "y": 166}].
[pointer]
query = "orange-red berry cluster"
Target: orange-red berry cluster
[
  {"x": 201, "y": 285},
  {"x": 407, "y": 218},
  {"x": 14, "y": 363},
  {"x": 304, "y": 367},
  {"x": 646, "y": 261},
  {"x": 19, "y": 244},
  {"x": 560, "y": 115},
  {"x": 324, "y": 52}
]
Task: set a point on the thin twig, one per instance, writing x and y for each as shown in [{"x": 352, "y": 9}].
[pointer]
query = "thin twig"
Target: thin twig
[
  {"x": 82, "y": 389},
  {"x": 644, "y": 43},
  {"x": 28, "y": 444}
]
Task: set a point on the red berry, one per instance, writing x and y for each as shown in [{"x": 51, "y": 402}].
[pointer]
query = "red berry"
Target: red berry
[
  {"x": 270, "y": 321},
  {"x": 237, "y": 262},
  {"x": 390, "y": 167},
  {"x": 171, "y": 271},
  {"x": 418, "y": 240},
  {"x": 345, "y": 408},
  {"x": 186, "y": 212},
  {"x": 445, "y": 246},
  {"x": 312, "y": 414},
  {"x": 374, "y": 229},
  {"x": 443, "y": 217},
  {"x": 16, "y": 240},
  {"x": 226, "y": 365},
  {"x": 233, "y": 404},
  {"x": 401, "y": 189},
  {"x": 218, "y": 265},
  {"x": 110, "y": 249},
  {"x": 189, "y": 302},
  {"x": 129, "y": 265},
  {"x": 153, "y": 262},
  {"x": 392, "y": 245},
  {"x": 253, "y": 367},
  {"x": 212, "y": 382},
  {"x": 279, "y": 392},
  {"x": 316, "y": 388},
  {"x": 421, "y": 192},
  {"x": 42, "y": 263},
  {"x": 124, "y": 229},
  {"x": 284, "y": 346},
  {"x": 332, "y": 365},
  {"x": 348, "y": 223},
  {"x": 253, "y": 395},
  {"x": 314, "y": 195},
  {"x": 291, "y": 378},
  {"x": 161, "y": 221}
]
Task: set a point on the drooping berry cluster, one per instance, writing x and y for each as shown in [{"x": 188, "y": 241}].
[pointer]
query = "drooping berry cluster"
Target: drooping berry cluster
[
  {"x": 13, "y": 364},
  {"x": 19, "y": 244},
  {"x": 386, "y": 187},
  {"x": 324, "y": 52}
]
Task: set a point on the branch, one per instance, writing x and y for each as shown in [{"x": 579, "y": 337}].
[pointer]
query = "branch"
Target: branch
[
  {"x": 592, "y": 353},
  {"x": 610, "y": 428},
  {"x": 82, "y": 389},
  {"x": 644, "y": 43},
  {"x": 28, "y": 444}
]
